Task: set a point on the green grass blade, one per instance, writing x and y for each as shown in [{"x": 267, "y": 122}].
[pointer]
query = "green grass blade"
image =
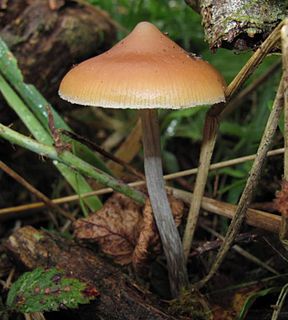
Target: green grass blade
[
  {"x": 78, "y": 183},
  {"x": 72, "y": 161},
  {"x": 37, "y": 103}
]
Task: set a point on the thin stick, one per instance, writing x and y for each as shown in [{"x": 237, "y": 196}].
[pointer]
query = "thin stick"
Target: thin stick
[
  {"x": 209, "y": 140},
  {"x": 280, "y": 302},
  {"x": 254, "y": 61},
  {"x": 102, "y": 151},
  {"x": 222, "y": 164},
  {"x": 216, "y": 243},
  {"x": 255, "y": 218},
  {"x": 242, "y": 252},
  {"x": 283, "y": 235},
  {"x": 37, "y": 205},
  {"x": 238, "y": 99},
  {"x": 250, "y": 186},
  {"x": 210, "y": 135},
  {"x": 33, "y": 190},
  {"x": 168, "y": 232}
]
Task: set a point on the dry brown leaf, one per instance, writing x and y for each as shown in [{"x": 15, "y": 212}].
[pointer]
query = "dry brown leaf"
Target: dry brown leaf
[
  {"x": 220, "y": 313},
  {"x": 125, "y": 230}
]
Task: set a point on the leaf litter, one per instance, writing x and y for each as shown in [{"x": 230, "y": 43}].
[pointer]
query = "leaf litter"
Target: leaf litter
[{"x": 125, "y": 230}]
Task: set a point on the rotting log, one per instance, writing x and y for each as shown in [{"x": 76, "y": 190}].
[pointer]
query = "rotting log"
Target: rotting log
[
  {"x": 49, "y": 36},
  {"x": 238, "y": 24},
  {"x": 119, "y": 298}
]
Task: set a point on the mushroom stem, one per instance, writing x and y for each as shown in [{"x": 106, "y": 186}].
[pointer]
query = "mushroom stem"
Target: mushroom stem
[{"x": 159, "y": 201}]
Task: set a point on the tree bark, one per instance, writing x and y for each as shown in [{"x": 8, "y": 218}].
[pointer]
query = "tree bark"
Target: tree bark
[
  {"x": 238, "y": 24},
  {"x": 119, "y": 297}
]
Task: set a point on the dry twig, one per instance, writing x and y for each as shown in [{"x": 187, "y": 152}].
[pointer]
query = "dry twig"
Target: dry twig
[
  {"x": 250, "y": 186},
  {"x": 210, "y": 134},
  {"x": 283, "y": 234},
  {"x": 36, "y": 192}
]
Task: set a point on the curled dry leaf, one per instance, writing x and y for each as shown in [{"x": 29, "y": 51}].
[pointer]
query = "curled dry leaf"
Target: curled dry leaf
[
  {"x": 125, "y": 230},
  {"x": 281, "y": 201}
]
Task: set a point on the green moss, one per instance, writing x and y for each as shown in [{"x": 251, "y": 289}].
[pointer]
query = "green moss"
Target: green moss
[{"x": 190, "y": 304}]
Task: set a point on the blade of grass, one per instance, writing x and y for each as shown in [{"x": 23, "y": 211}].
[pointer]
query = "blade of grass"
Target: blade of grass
[
  {"x": 69, "y": 159},
  {"x": 280, "y": 302},
  {"x": 37, "y": 103},
  {"x": 78, "y": 183}
]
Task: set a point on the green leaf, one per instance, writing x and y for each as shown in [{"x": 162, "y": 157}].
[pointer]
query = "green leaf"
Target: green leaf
[
  {"x": 48, "y": 290},
  {"x": 235, "y": 173},
  {"x": 251, "y": 299}
]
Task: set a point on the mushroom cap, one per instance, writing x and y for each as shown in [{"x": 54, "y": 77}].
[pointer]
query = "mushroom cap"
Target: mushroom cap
[{"x": 144, "y": 70}]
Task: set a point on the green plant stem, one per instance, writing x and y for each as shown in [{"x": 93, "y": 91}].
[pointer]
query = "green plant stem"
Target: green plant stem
[
  {"x": 70, "y": 160},
  {"x": 250, "y": 186},
  {"x": 38, "y": 104},
  {"x": 78, "y": 183}
]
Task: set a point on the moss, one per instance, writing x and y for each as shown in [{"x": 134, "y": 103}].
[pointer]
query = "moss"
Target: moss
[
  {"x": 191, "y": 304},
  {"x": 224, "y": 22}
]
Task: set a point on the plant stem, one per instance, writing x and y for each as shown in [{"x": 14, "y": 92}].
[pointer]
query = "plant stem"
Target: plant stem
[
  {"x": 161, "y": 208},
  {"x": 78, "y": 183},
  {"x": 109, "y": 155},
  {"x": 283, "y": 234},
  {"x": 41, "y": 196},
  {"x": 209, "y": 138},
  {"x": 250, "y": 186},
  {"x": 37, "y": 104},
  {"x": 71, "y": 161}
]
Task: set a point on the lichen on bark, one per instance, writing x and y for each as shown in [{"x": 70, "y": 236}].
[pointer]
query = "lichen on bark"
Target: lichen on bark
[{"x": 239, "y": 24}]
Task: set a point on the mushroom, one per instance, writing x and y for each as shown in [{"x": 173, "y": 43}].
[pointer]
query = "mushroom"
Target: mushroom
[{"x": 148, "y": 71}]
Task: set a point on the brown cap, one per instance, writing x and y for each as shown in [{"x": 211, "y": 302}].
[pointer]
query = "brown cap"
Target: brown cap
[{"x": 144, "y": 70}]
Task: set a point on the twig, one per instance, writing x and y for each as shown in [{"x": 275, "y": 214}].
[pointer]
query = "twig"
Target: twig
[
  {"x": 210, "y": 134},
  {"x": 256, "y": 218},
  {"x": 33, "y": 190},
  {"x": 209, "y": 139},
  {"x": 262, "y": 220},
  {"x": 251, "y": 184},
  {"x": 241, "y": 251},
  {"x": 235, "y": 102},
  {"x": 254, "y": 61},
  {"x": 283, "y": 234},
  {"x": 280, "y": 302},
  {"x": 222, "y": 164},
  {"x": 215, "y": 244},
  {"x": 106, "y": 154},
  {"x": 9, "y": 280}
]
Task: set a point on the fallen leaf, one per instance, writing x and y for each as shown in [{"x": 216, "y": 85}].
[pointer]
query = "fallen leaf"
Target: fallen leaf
[{"x": 125, "y": 230}]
